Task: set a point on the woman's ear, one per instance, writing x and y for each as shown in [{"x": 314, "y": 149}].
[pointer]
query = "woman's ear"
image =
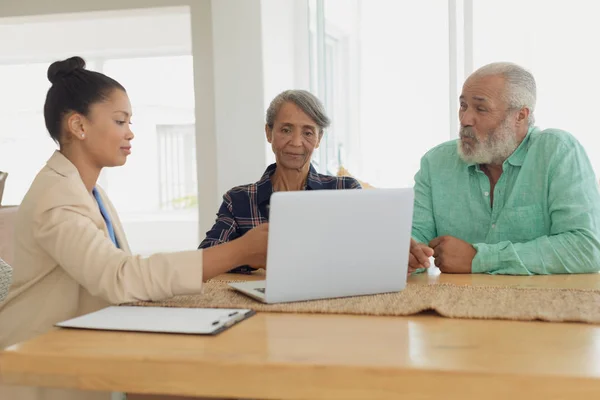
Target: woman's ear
[{"x": 75, "y": 126}]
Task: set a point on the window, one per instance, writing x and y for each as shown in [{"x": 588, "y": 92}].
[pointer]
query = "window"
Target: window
[
  {"x": 160, "y": 101},
  {"x": 385, "y": 82},
  {"x": 338, "y": 85},
  {"x": 177, "y": 167}
]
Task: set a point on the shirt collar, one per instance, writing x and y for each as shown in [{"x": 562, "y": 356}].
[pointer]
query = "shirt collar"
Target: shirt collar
[
  {"x": 518, "y": 156},
  {"x": 313, "y": 182},
  {"x": 264, "y": 187}
]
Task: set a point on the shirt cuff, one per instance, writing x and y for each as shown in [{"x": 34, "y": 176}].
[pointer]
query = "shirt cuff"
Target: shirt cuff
[
  {"x": 485, "y": 260},
  {"x": 419, "y": 271}
]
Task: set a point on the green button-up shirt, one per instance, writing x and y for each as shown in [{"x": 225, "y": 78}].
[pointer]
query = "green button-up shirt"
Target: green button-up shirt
[{"x": 545, "y": 217}]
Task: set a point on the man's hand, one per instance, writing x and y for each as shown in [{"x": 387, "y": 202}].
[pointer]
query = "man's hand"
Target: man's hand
[
  {"x": 419, "y": 256},
  {"x": 452, "y": 255}
]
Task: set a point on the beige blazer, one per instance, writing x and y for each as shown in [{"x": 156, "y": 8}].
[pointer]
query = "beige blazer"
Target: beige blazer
[{"x": 66, "y": 265}]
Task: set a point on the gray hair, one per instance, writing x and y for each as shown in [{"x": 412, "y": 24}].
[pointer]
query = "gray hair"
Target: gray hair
[
  {"x": 306, "y": 101},
  {"x": 520, "y": 85}
]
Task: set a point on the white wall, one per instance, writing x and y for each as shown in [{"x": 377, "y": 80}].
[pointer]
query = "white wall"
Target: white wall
[
  {"x": 285, "y": 51},
  {"x": 238, "y": 92},
  {"x": 285, "y": 48}
]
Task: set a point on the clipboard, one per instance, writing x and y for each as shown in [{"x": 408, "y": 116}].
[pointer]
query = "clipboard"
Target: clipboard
[{"x": 191, "y": 321}]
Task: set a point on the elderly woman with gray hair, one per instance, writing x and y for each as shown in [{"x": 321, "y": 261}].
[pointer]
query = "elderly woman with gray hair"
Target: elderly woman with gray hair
[
  {"x": 5, "y": 279},
  {"x": 295, "y": 124}
]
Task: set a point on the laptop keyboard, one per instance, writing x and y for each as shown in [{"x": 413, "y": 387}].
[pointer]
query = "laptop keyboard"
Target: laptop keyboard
[{"x": 262, "y": 290}]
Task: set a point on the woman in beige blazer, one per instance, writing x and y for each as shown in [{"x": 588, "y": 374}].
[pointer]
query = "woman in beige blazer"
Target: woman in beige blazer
[{"x": 71, "y": 254}]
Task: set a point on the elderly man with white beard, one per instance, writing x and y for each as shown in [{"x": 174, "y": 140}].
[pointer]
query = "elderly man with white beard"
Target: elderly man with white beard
[{"x": 506, "y": 197}]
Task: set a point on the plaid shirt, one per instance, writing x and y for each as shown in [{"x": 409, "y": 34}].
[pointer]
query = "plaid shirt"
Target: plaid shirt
[{"x": 245, "y": 207}]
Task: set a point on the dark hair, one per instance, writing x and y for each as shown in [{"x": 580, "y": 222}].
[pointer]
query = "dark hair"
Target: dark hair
[{"x": 74, "y": 88}]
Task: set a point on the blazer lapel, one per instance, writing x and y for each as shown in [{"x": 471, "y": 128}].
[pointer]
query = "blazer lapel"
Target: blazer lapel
[{"x": 60, "y": 164}]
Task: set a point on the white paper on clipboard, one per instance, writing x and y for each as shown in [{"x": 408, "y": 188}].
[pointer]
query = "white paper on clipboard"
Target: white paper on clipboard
[{"x": 193, "y": 321}]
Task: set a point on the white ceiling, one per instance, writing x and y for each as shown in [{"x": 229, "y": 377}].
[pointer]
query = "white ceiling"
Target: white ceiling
[{"x": 104, "y": 34}]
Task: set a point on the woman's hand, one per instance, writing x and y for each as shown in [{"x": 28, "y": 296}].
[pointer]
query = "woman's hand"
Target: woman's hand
[
  {"x": 250, "y": 249},
  {"x": 253, "y": 246}
]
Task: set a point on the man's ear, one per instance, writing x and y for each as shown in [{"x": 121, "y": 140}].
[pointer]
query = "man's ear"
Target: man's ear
[
  {"x": 269, "y": 133},
  {"x": 75, "y": 126},
  {"x": 523, "y": 116}
]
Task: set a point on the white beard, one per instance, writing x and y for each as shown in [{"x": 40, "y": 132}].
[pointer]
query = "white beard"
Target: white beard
[{"x": 498, "y": 146}]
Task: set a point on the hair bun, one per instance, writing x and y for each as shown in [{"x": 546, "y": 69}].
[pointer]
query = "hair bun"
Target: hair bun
[{"x": 60, "y": 69}]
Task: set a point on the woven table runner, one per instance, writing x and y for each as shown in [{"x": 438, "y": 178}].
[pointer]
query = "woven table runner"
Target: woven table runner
[{"x": 449, "y": 300}]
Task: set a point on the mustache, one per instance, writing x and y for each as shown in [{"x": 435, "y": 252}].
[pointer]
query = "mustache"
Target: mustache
[{"x": 466, "y": 133}]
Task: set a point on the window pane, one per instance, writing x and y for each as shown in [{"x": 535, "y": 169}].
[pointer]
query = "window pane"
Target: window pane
[
  {"x": 387, "y": 76},
  {"x": 161, "y": 210},
  {"x": 162, "y": 98},
  {"x": 176, "y": 167}
]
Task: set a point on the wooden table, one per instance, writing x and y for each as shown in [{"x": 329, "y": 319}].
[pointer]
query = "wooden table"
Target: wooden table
[{"x": 301, "y": 356}]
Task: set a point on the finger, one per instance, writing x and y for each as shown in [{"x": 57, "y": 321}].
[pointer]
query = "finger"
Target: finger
[
  {"x": 424, "y": 248},
  {"x": 436, "y": 242},
  {"x": 421, "y": 252},
  {"x": 438, "y": 262},
  {"x": 420, "y": 255},
  {"x": 427, "y": 250},
  {"x": 413, "y": 243},
  {"x": 414, "y": 265},
  {"x": 412, "y": 261},
  {"x": 411, "y": 270}
]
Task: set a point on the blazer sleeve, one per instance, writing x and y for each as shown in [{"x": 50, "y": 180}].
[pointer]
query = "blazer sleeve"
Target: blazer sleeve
[{"x": 70, "y": 236}]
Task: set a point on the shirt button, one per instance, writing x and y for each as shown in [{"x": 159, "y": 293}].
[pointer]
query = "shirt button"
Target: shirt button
[
  {"x": 493, "y": 226},
  {"x": 486, "y": 194}
]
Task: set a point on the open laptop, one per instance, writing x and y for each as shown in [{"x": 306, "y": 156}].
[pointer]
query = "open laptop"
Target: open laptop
[{"x": 335, "y": 243}]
